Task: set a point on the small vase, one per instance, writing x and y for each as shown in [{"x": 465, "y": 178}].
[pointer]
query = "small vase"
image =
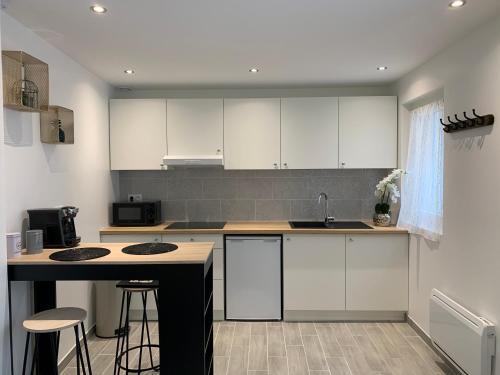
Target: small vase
[{"x": 382, "y": 220}]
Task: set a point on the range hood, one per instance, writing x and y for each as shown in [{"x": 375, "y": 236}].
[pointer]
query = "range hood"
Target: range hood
[{"x": 193, "y": 160}]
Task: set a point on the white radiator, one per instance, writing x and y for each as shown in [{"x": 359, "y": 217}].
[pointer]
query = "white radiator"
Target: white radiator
[{"x": 466, "y": 339}]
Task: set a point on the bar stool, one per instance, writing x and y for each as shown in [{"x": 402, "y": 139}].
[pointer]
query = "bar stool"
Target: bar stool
[
  {"x": 53, "y": 322},
  {"x": 130, "y": 287}
]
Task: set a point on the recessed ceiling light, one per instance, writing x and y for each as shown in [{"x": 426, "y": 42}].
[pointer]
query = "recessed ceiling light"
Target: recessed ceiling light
[
  {"x": 382, "y": 68},
  {"x": 254, "y": 70},
  {"x": 129, "y": 71},
  {"x": 99, "y": 9},
  {"x": 457, "y": 3}
]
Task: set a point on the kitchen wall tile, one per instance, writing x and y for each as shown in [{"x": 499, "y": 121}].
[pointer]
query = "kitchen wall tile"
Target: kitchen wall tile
[
  {"x": 220, "y": 188},
  {"x": 215, "y": 193},
  {"x": 203, "y": 210},
  {"x": 238, "y": 209},
  {"x": 184, "y": 188},
  {"x": 174, "y": 210},
  {"x": 204, "y": 172},
  {"x": 331, "y": 186},
  {"x": 272, "y": 209},
  {"x": 352, "y": 187},
  {"x": 307, "y": 210},
  {"x": 290, "y": 188},
  {"x": 256, "y": 188},
  {"x": 150, "y": 188},
  {"x": 273, "y": 173},
  {"x": 346, "y": 209}
]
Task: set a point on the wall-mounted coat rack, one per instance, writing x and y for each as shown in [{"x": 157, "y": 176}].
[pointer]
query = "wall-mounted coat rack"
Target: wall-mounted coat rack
[{"x": 477, "y": 121}]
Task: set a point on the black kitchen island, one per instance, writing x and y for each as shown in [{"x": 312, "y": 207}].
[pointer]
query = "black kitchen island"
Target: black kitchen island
[{"x": 185, "y": 297}]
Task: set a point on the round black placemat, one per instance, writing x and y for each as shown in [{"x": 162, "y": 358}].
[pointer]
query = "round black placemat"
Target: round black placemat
[
  {"x": 151, "y": 248},
  {"x": 82, "y": 253}
]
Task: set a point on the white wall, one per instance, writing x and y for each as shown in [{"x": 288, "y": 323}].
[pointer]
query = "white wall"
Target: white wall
[
  {"x": 41, "y": 175},
  {"x": 466, "y": 263},
  {"x": 4, "y": 317}
]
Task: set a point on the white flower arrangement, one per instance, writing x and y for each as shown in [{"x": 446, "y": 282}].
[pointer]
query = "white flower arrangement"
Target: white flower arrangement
[{"x": 387, "y": 189}]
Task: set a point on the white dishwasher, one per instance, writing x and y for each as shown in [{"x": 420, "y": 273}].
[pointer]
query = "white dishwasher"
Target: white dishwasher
[{"x": 253, "y": 277}]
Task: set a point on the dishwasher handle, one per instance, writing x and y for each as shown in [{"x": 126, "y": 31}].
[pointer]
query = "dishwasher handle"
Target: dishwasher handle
[{"x": 252, "y": 238}]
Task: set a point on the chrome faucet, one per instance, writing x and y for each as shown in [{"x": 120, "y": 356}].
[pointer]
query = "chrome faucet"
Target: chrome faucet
[{"x": 328, "y": 219}]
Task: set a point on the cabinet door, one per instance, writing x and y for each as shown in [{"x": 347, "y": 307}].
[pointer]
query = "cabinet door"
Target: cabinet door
[
  {"x": 309, "y": 133},
  {"x": 377, "y": 272},
  {"x": 138, "y": 133},
  {"x": 130, "y": 238},
  {"x": 194, "y": 126},
  {"x": 314, "y": 272},
  {"x": 368, "y": 128},
  {"x": 251, "y": 133}
]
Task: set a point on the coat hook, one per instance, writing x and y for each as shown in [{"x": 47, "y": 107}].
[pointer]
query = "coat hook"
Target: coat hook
[
  {"x": 467, "y": 117},
  {"x": 461, "y": 123},
  {"x": 469, "y": 121},
  {"x": 479, "y": 119},
  {"x": 453, "y": 125},
  {"x": 446, "y": 127}
]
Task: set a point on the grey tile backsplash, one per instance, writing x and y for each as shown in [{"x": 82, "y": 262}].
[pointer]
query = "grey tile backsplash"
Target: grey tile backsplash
[{"x": 190, "y": 194}]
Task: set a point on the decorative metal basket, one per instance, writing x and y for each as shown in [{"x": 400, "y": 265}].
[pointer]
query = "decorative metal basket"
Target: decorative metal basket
[{"x": 26, "y": 92}]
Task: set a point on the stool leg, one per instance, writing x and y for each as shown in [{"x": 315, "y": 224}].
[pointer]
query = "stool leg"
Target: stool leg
[
  {"x": 53, "y": 338},
  {"x": 86, "y": 348},
  {"x": 57, "y": 341},
  {"x": 127, "y": 322},
  {"x": 79, "y": 355},
  {"x": 117, "y": 364},
  {"x": 26, "y": 352},
  {"x": 142, "y": 331},
  {"x": 35, "y": 355},
  {"x": 155, "y": 293},
  {"x": 147, "y": 329}
]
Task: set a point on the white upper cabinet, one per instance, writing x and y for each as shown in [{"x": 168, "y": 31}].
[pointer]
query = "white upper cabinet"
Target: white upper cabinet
[
  {"x": 368, "y": 132},
  {"x": 252, "y": 133},
  {"x": 309, "y": 133},
  {"x": 194, "y": 126},
  {"x": 138, "y": 133}
]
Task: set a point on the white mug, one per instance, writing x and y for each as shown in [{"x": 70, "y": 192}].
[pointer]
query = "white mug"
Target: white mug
[{"x": 14, "y": 244}]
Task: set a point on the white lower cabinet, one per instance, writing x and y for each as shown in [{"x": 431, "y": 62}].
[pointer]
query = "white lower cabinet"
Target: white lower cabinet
[
  {"x": 377, "y": 272},
  {"x": 132, "y": 238},
  {"x": 314, "y": 272}
]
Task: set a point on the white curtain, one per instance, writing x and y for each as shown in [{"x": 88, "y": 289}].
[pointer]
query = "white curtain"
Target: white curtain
[{"x": 422, "y": 185}]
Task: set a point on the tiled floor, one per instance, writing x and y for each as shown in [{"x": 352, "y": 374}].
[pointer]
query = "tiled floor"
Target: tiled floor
[{"x": 303, "y": 349}]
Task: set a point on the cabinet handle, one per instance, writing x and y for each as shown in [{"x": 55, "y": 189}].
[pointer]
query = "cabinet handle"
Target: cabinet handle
[
  {"x": 285, "y": 165},
  {"x": 351, "y": 239},
  {"x": 275, "y": 165},
  {"x": 191, "y": 239},
  {"x": 218, "y": 150},
  {"x": 288, "y": 239},
  {"x": 343, "y": 163}
]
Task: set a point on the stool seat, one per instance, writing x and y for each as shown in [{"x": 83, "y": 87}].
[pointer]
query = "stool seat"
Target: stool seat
[
  {"x": 138, "y": 286},
  {"x": 55, "y": 320}
]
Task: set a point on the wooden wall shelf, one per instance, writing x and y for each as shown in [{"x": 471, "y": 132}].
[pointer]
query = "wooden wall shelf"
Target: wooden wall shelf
[
  {"x": 57, "y": 125},
  {"x": 19, "y": 71}
]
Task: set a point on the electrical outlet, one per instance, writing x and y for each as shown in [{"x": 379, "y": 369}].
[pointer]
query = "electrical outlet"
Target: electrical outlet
[{"x": 135, "y": 197}]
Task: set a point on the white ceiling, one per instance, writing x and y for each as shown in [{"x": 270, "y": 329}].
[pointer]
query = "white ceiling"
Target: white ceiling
[{"x": 200, "y": 43}]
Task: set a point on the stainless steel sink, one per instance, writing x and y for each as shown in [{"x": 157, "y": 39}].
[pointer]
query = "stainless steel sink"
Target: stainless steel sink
[{"x": 334, "y": 225}]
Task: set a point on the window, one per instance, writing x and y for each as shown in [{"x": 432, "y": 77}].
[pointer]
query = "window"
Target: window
[{"x": 422, "y": 185}]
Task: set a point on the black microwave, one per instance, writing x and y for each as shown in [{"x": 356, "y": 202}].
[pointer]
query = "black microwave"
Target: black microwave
[{"x": 136, "y": 214}]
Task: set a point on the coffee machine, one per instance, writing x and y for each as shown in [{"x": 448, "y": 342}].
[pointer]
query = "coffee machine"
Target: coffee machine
[{"x": 57, "y": 224}]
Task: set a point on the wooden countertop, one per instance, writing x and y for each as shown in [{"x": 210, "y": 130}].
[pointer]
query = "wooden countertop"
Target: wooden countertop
[
  {"x": 248, "y": 227},
  {"x": 187, "y": 253}
]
